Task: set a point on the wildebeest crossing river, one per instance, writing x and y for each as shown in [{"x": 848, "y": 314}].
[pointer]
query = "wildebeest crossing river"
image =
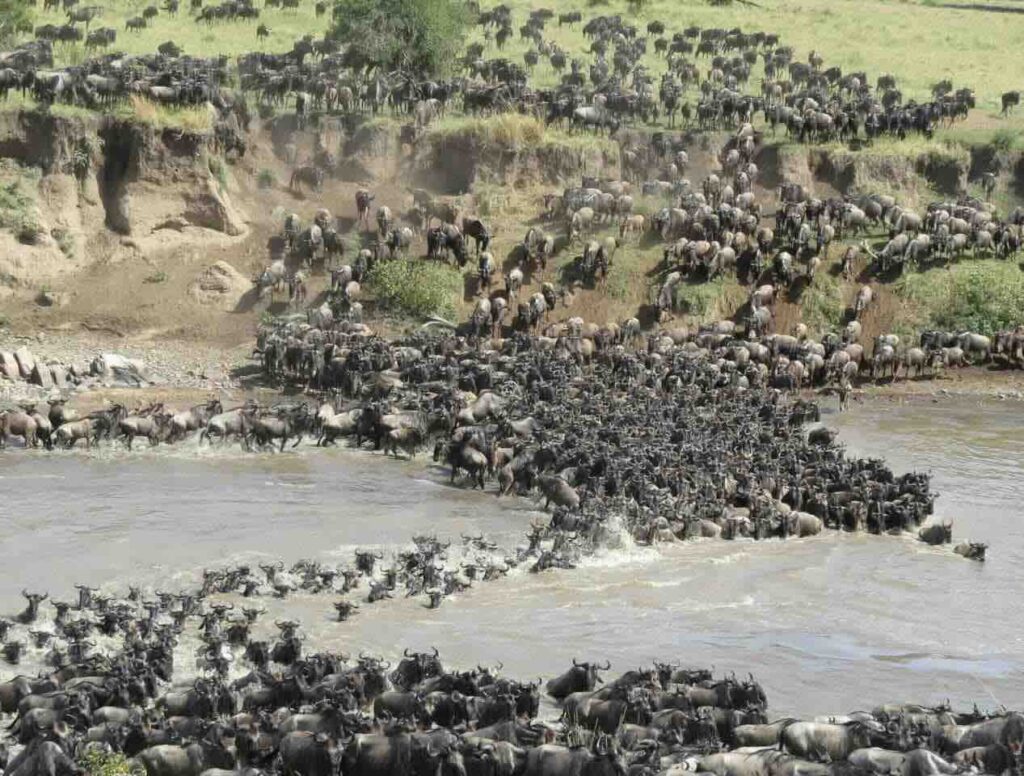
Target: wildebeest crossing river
[{"x": 829, "y": 623}]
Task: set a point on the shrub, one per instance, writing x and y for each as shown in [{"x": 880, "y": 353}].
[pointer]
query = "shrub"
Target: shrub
[
  {"x": 265, "y": 179},
  {"x": 28, "y": 230},
  {"x": 416, "y": 288},
  {"x": 823, "y": 304},
  {"x": 156, "y": 277},
  {"x": 65, "y": 241},
  {"x": 15, "y": 16},
  {"x": 108, "y": 764},
  {"x": 1005, "y": 139},
  {"x": 218, "y": 171},
  {"x": 981, "y": 296}
]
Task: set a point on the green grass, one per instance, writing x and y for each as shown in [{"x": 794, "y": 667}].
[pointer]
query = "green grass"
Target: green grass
[
  {"x": 982, "y": 296},
  {"x": 919, "y": 43},
  {"x": 229, "y": 38}
]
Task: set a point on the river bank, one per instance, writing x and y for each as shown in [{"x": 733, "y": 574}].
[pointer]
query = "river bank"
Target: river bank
[{"x": 187, "y": 372}]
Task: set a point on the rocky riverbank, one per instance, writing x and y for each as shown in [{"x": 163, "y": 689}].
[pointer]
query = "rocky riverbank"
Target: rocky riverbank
[{"x": 96, "y": 364}]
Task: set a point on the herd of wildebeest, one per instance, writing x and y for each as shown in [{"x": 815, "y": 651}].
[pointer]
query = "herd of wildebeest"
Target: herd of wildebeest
[
  {"x": 656, "y": 435},
  {"x": 107, "y": 685}
]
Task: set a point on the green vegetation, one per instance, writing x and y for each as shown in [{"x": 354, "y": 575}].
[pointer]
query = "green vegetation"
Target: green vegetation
[
  {"x": 156, "y": 277},
  {"x": 17, "y": 213},
  {"x": 982, "y": 296},
  {"x": 64, "y": 239},
  {"x": 424, "y": 37},
  {"x": 710, "y": 301},
  {"x": 416, "y": 288},
  {"x": 265, "y": 179},
  {"x": 218, "y": 171},
  {"x": 97, "y": 763},
  {"x": 15, "y": 17},
  {"x": 823, "y": 304}
]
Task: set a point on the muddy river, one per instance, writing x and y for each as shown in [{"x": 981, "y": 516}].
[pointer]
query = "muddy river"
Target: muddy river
[{"x": 828, "y": 624}]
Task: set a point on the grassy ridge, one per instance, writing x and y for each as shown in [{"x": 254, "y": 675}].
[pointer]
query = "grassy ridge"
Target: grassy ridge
[
  {"x": 919, "y": 41},
  {"x": 229, "y": 38}
]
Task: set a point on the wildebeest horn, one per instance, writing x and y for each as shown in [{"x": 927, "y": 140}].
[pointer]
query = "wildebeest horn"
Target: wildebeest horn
[
  {"x": 607, "y": 666},
  {"x": 406, "y": 653},
  {"x": 575, "y": 664},
  {"x": 436, "y": 653}
]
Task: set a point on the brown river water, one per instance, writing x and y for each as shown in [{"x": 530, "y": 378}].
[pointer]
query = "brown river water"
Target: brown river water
[{"x": 828, "y": 624}]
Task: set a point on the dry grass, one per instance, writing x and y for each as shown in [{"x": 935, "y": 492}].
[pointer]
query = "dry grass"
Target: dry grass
[{"x": 144, "y": 111}]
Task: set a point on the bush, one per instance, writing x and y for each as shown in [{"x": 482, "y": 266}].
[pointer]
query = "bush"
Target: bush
[
  {"x": 980, "y": 296},
  {"x": 156, "y": 277},
  {"x": 424, "y": 37},
  {"x": 218, "y": 171},
  {"x": 108, "y": 764},
  {"x": 15, "y": 16},
  {"x": 416, "y": 288},
  {"x": 823, "y": 304},
  {"x": 14, "y": 205},
  {"x": 64, "y": 240},
  {"x": 1005, "y": 139},
  {"x": 28, "y": 231},
  {"x": 265, "y": 179}
]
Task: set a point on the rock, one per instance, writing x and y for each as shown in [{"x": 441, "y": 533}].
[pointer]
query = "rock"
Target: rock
[
  {"x": 130, "y": 370},
  {"x": 220, "y": 284},
  {"x": 60, "y": 377},
  {"x": 177, "y": 223},
  {"x": 214, "y": 374},
  {"x": 9, "y": 365},
  {"x": 52, "y": 299},
  {"x": 41, "y": 376},
  {"x": 26, "y": 362},
  {"x": 212, "y": 209}
]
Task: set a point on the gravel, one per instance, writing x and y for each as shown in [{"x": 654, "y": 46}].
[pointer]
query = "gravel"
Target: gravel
[{"x": 167, "y": 364}]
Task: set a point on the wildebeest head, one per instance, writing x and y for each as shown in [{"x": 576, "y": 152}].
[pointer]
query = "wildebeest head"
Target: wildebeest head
[
  {"x": 415, "y": 667},
  {"x": 582, "y": 677}
]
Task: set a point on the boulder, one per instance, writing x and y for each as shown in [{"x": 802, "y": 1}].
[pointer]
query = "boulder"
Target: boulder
[
  {"x": 211, "y": 208},
  {"x": 52, "y": 299},
  {"x": 220, "y": 284},
  {"x": 131, "y": 371},
  {"x": 26, "y": 361},
  {"x": 60, "y": 376},
  {"x": 9, "y": 365},
  {"x": 41, "y": 376}
]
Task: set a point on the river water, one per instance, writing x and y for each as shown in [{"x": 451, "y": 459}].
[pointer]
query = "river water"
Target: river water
[{"x": 828, "y": 624}]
